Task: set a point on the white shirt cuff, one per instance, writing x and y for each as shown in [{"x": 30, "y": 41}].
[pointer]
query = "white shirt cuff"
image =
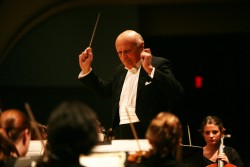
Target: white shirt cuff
[{"x": 81, "y": 75}]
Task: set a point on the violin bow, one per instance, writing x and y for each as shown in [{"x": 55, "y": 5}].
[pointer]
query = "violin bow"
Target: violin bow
[
  {"x": 133, "y": 130},
  {"x": 32, "y": 118},
  {"x": 189, "y": 136}
]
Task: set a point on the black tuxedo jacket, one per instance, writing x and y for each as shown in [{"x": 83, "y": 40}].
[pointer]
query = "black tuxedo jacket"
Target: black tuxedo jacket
[{"x": 153, "y": 94}]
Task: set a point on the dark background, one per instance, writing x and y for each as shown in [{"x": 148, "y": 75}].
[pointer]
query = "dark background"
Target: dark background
[{"x": 40, "y": 43}]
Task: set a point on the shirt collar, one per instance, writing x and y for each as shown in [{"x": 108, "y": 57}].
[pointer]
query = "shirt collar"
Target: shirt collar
[{"x": 136, "y": 68}]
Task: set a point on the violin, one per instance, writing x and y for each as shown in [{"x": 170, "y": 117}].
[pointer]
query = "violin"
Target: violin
[{"x": 138, "y": 156}]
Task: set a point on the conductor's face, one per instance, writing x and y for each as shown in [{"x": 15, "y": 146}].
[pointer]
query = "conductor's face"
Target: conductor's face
[{"x": 128, "y": 50}]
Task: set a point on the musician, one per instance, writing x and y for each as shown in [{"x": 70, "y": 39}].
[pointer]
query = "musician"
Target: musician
[
  {"x": 15, "y": 135},
  {"x": 212, "y": 130},
  {"x": 143, "y": 85},
  {"x": 71, "y": 131},
  {"x": 165, "y": 136}
]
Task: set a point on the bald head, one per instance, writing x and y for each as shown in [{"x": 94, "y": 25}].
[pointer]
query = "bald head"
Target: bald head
[
  {"x": 129, "y": 46},
  {"x": 130, "y": 36}
]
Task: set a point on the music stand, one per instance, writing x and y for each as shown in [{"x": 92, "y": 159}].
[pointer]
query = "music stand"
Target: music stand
[{"x": 192, "y": 155}]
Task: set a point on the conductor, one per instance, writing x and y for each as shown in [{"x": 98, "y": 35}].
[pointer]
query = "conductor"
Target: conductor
[{"x": 141, "y": 87}]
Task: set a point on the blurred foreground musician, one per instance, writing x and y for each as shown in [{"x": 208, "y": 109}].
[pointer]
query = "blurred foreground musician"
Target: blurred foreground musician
[
  {"x": 165, "y": 136},
  {"x": 118, "y": 153},
  {"x": 72, "y": 131},
  {"x": 15, "y": 135}
]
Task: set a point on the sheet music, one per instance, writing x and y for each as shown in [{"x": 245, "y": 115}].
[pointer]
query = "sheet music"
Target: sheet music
[
  {"x": 35, "y": 148},
  {"x": 123, "y": 145},
  {"x": 114, "y": 159}
]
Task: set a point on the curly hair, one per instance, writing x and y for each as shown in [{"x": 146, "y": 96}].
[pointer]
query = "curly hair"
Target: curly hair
[
  {"x": 165, "y": 135},
  {"x": 72, "y": 130}
]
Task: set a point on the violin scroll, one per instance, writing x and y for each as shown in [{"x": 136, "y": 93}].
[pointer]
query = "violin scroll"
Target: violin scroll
[{"x": 42, "y": 129}]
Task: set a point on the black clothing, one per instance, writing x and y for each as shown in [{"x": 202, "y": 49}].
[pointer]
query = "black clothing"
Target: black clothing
[
  {"x": 9, "y": 162},
  {"x": 232, "y": 156},
  {"x": 58, "y": 163},
  {"x": 157, "y": 161},
  {"x": 153, "y": 94}
]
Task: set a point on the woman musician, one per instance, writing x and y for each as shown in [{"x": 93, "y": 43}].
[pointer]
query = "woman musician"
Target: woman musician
[
  {"x": 165, "y": 136},
  {"x": 212, "y": 130}
]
